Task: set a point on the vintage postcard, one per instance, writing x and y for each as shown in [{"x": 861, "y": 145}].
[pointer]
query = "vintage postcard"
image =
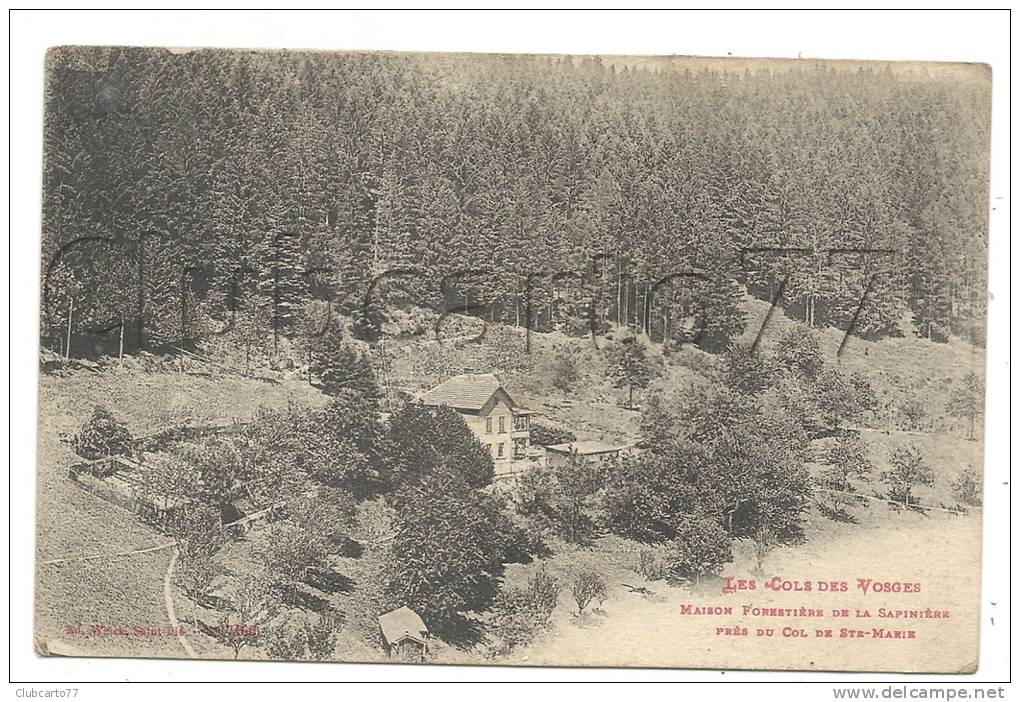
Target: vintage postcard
[{"x": 512, "y": 359}]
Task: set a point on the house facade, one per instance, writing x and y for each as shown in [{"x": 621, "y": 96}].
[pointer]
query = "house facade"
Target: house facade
[{"x": 490, "y": 413}]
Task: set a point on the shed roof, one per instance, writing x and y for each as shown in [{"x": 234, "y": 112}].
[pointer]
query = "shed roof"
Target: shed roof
[
  {"x": 467, "y": 391},
  {"x": 584, "y": 448},
  {"x": 402, "y": 623}
]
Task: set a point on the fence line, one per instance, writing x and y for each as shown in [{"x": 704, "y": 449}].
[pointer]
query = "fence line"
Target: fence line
[
  {"x": 899, "y": 503},
  {"x": 873, "y": 430},
  {"x": 133, "y": 552},
  {"x": 224, "y": 366}
]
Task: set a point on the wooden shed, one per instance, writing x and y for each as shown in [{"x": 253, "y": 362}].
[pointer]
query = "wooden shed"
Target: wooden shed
[{"x": 404, "y": 635}]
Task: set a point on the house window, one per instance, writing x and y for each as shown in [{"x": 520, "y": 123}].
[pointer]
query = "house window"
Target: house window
[
  {"x": 502, "y": 425},
  {"x": 521, "y": 423},
  {"x": 499, "y": 449},
  {"x": 488, "y": 425}
]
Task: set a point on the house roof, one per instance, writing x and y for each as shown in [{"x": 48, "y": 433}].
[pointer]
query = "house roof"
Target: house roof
[
  {"x": 584, "y": 448},
  {"x": 469, "y": 391},
  {"x": 402, "y": 623}
]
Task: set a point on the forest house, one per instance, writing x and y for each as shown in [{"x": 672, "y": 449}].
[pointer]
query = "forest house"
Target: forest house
[{"x": 490, "y": 412}]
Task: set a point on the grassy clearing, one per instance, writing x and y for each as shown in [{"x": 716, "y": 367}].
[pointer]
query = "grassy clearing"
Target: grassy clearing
[
  {"x": 148, "y": 402},
  {"x": 899, "y": 368},
  {"x": 947, "y": 454},
  {"x": 126, "y": 591}
]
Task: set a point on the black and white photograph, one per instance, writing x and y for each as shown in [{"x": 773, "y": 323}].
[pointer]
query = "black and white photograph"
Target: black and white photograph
[{"x": 512, "y": 359}]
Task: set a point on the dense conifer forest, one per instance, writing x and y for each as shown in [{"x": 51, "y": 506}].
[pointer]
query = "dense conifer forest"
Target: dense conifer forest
[{"x": 186, "y": 192}]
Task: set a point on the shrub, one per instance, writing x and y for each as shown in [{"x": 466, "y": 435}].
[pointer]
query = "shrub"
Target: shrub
[
  {"x": 198, "y": 529},
  {"x": 588, "y": 586},
  {"x": 701, "y": 547},
  {"x": 846, "y": 461},
  {"x": 535, "y": 492},
  {"x": 101, "y": 436},
  {"x": 518, "y": 615},
  {"x": 912, "y": 412},
  {"x": 525, "y": 542},
  {"x": 291, "y": 554},
  {"x": 649, "y": 565},
  {"x": 329, "y": 514},
  {"x": 967, "y": 487},
  {"x": 800, "y": 351},
  {"x": 196, "y": 574},
  {"x": 564, "y": 370},
  {"x": 549, "y": 436},
  {"x": 748, "y": 371},
  {"x": 907, "y": 470}
]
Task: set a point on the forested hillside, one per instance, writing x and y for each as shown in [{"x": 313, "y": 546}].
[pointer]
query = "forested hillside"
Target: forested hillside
[{"x": 203, "y": 192}]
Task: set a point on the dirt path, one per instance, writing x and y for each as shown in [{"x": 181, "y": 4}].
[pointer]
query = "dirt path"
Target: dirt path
[{"x": 168, "y": 600}]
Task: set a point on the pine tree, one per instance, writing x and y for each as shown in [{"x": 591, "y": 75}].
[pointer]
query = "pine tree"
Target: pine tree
[
  {"x": 968, "y": 401},
  {"x": 339, "y": 367},
  {"x": 630, "y": 366}
]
